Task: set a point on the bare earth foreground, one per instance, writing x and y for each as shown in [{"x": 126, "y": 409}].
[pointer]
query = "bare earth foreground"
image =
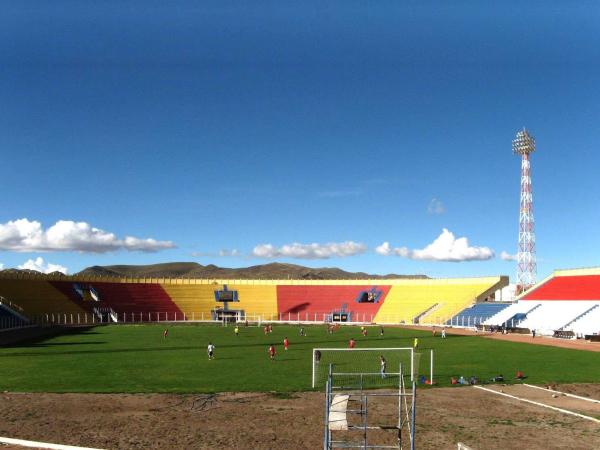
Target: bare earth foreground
[{"x": 272, "y": 421}]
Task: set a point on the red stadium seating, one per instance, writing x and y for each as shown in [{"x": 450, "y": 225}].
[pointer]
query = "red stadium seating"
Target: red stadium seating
[
  {"x": 325, "y": 299},
  {"x": 125, "y": 297},
  {"x": 579, "y": 287}
]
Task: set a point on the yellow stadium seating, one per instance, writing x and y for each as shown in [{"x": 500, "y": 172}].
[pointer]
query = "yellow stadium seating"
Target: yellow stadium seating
[
  {"x": 37, "y": 297},
  {"x": 198, "y": 300},
  {"x": 432, "y": 301}
]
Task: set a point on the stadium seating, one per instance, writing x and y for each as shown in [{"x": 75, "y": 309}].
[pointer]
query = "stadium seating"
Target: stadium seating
[
  {"x": 587, "y": 324},
  {"x": 169, "y": 299},
  {"x": 308, "y": 302},
  {"x": 434, "y": 301},
  {"x": 198, "y": 300},
  {"x": 567, "y": 287},
  {"x": 512, "y": 315},
  {"x": 554, "y": 315},
  {"x": 8, "y": 319},
  {"x": 38, "y": 297},
  {"x": 141, "y": 298},
  {"x": 477, "y": 314}
]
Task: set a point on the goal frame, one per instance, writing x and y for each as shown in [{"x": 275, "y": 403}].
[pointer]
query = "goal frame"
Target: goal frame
[{"x": 372, "y": 349}]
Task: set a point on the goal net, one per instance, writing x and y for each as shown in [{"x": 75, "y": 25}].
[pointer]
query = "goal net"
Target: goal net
[{"x": 365, "y": 361}]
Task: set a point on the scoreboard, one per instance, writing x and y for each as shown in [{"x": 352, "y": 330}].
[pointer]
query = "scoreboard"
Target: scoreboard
[{"x": 225, "y": 295}]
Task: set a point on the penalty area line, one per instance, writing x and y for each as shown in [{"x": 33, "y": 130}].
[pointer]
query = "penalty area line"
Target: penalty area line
[
  {"x": 564, "y": 411},
  {"x": 34, "y": 444}
]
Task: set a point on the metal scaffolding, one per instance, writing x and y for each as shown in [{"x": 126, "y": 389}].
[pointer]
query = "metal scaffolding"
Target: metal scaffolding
[{"x": 356, "y": 417}]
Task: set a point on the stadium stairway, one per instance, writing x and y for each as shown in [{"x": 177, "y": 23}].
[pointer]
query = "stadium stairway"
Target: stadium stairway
[
  {"x": 38, "y": 297},
  {"x": 554, "y": 315},
  {"x": 587, "y": 323},
  {"x": 457, "y": 295},
  {"x": 477, "y": 314},
  {"x": 512, "y": 315},
  {"x": 137, "y": 298},
  {"x": 9, "y": 316}
]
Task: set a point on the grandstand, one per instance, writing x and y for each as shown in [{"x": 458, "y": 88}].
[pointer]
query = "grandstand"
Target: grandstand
[
  {"x": 565, "y": 304},
  {"x": 435, "y": 301},
  {"x": 476, "y": 314},
  {"x": 158, "y": 299}
]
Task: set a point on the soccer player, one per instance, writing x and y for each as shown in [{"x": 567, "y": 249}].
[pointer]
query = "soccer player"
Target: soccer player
[
  {"x": 271, "y": 352},
  {"x": 302, "y": 333},
  {"x": 210, "y": 349},
  {"x": 381, "y": 331},
  {"x": 286, "y": 344},
  {"x": 236, "y": 330},
  {"x": 416, "y": 343},
  {"x": 317, "y": 356},
  {"x": 444, "y": 333},
  {"x": 165, "y": 333},
  {"x": 266, "y": 329},
  {"x": 364, "y": 331},
  {"x": 433, "y": 331},
  {"x": 351, "y": 343},
  {"x": 382, "y": 364}
]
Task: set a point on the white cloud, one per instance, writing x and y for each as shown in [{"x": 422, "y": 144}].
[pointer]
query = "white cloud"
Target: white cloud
[
  {"x": 384, "y": 249},
  {"x": 1, "y": 266},
  {"x": 41, "y": 266},
  {"x": 507, "y": 256},
  {"x": 23, "y": 235},
  {"x": 436, "y": 207},
  {"x": 224, "y": 252},
  {"x": 445, "y": 247},
  {"x": 310, "y": 251}
]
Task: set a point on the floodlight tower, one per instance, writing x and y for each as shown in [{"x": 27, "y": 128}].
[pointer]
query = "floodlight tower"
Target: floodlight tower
[{"x": 524, "y": 145}]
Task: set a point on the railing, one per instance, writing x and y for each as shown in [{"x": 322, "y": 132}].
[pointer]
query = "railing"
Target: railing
[
  {"x": 11, "y": 305},
  {"x": 16, "y": 319},
  {"x": 107, "y": 317}
]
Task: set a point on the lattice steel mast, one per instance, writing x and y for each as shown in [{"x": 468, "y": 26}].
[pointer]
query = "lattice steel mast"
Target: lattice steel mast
[{"x": 524, "y": 145}]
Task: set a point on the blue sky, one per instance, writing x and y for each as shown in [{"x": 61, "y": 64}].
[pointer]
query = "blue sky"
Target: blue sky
[{"x": 227, "y": 132}]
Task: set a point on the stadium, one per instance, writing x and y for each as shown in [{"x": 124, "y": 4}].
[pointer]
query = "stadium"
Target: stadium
[
  {"x": 299, "y": 225},
  {"x": 85, "y": 334}
]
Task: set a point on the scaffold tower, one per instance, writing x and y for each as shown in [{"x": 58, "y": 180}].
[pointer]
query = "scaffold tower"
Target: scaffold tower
[{"x": 524, "y": 145}]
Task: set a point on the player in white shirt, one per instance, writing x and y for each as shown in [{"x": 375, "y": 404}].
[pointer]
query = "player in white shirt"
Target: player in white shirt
[
  {"x": 210, "y": 350},
  {"x": 382, "y": 363}
]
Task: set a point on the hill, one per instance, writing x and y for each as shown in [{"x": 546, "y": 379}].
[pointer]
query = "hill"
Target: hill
[{"x": 270, "y": 271}]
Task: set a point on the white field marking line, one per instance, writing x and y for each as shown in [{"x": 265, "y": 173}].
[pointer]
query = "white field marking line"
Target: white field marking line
[
  {"x": 593, "y": 419},
  {"x": 33, "y": 444},
  {"x": 593, "y": 400},
  {"x": 369, "y": 349}
]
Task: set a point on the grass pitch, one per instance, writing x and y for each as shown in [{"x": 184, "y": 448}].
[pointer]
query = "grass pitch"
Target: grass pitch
[{"x": 136, "y": 358}]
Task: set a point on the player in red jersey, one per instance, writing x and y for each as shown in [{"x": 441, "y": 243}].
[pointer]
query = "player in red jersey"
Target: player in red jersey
[
  {"x": 271, "y": 352},
  {"x": 351, "y": 343},
  {"x": 286, "y": 344}
]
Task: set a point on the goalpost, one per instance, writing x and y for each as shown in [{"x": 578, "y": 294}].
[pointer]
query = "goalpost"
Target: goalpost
[{"x": 367, "y": 361}]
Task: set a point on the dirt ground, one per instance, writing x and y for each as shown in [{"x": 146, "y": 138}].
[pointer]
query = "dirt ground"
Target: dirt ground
[{"x": 445, "y": 416}]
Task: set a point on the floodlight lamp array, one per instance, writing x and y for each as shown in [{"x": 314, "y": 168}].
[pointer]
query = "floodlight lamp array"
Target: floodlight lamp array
[{"x": 524, "y": 143}]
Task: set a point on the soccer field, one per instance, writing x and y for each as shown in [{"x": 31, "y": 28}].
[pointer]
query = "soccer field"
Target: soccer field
[{"x": 136, "y": 358}]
